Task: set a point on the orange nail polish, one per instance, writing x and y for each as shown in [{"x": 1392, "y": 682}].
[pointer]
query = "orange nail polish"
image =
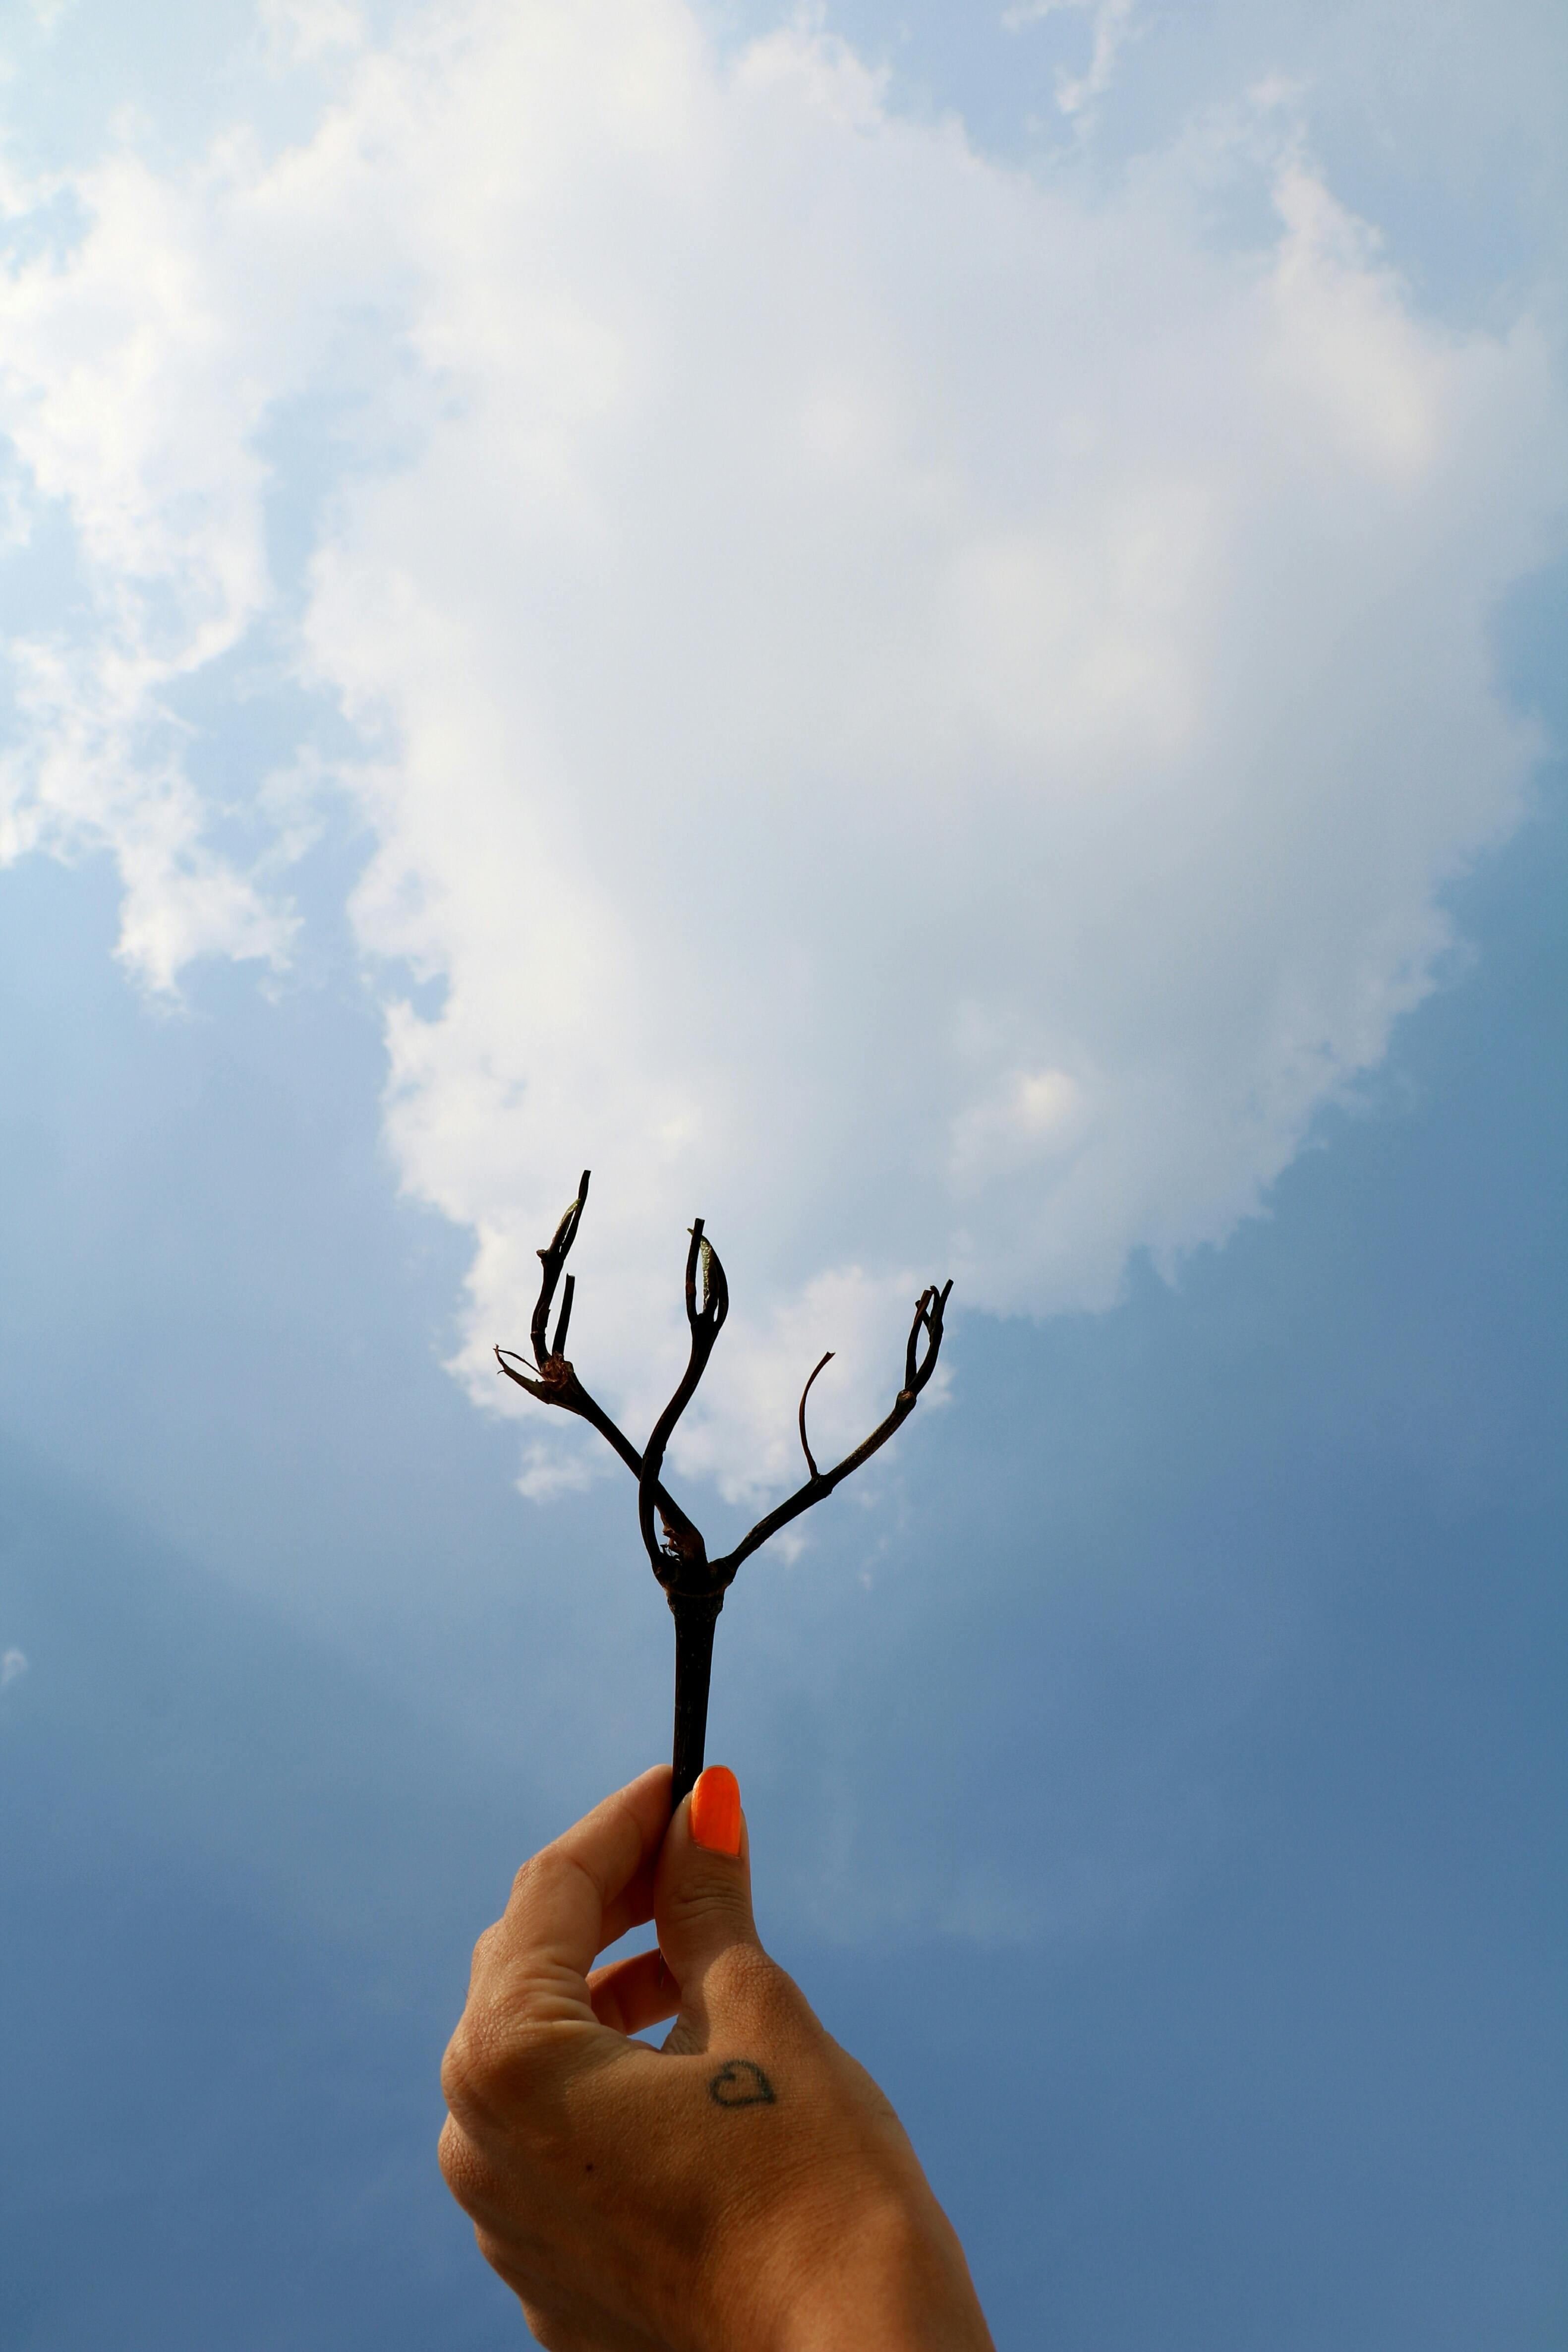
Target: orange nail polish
[{"x": 716, "y": 1811}]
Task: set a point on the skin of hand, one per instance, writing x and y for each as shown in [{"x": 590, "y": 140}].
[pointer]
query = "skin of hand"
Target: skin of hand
[{"x": 747, "y": 2187}]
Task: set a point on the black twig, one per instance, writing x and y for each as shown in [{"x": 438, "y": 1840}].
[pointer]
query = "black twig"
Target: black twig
[
  {"x": 928, "y": 1311},
  {"x": 694, "y": 1585},
  {"x": 706, "y": 1321},
  {"x": 805, "y": 1446},
  {"x": 557, "y": 1383}
]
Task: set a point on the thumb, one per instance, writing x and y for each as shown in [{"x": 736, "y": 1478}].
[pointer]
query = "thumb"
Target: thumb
[{"x": 702, "y": 1893}]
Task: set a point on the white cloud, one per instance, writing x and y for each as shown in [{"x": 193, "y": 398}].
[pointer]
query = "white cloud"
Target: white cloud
[
  {"x": 1110, "y": 24},
  {"x": 298, "y": 31},
  {"x": 917, "y": 715},
  {"x": 131, "y": 385},
  {"x": 13, "y": 1665}
]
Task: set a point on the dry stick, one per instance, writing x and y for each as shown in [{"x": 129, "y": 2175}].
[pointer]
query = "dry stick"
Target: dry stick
[{"x": 694, "y": 1585}]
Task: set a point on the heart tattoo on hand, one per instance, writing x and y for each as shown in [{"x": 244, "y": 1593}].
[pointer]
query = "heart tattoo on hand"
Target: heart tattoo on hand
[{"x": 741, "y": 2084}]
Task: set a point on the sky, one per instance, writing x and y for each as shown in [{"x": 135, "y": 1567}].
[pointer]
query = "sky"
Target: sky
[{"x": 935, "y": 634}]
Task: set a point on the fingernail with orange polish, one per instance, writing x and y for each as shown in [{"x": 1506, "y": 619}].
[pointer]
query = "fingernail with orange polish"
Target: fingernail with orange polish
[{"x": 716, "y": 1811}]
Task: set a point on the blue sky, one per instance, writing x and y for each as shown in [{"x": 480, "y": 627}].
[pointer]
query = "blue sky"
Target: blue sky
[{"x": 952, "y": 656}]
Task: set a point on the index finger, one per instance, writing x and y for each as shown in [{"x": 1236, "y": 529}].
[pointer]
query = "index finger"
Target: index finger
[{"x": 573, "y": 1898}]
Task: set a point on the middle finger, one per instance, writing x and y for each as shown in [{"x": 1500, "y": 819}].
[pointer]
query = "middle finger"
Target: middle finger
[{"x": 632, "y": 1993}]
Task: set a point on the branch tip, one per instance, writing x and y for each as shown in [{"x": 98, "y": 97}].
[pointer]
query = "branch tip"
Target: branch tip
[{"x": 805, "y": 1448}]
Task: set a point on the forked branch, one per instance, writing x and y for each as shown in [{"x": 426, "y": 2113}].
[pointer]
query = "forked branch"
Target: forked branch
[
  {"x": 694, "y": 1585},
  {"x": 557, "y": 1383},
  {"x": 919, "y": 1363}
]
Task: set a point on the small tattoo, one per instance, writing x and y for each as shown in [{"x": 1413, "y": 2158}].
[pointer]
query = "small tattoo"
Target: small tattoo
[{"x": 741, "y": 2084}]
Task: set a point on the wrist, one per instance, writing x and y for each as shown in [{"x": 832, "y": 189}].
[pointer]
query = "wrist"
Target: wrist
[{"x": 882, "y": 2273}]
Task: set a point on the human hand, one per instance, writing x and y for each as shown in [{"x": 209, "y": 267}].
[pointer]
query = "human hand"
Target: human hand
[{"x": 745, "y": 2188}]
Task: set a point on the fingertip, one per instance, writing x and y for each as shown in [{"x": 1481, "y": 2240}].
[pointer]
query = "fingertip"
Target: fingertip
[{"x": 715, "y": 1816}]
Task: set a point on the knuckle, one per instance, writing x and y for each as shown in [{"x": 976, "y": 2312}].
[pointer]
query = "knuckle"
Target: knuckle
[
  {"x": 527, "y": 1877},
  {"x": 496, "y": 2066},
  {"x": 472, "y": 2070},
  {"x": 743, "y": 1961},
  {"x": 462, "y": 2072},
  {"x": 709, "y": 1901},
  {"x": 462, "y": 2167},
  {"x": 552, "y": 2333},
  {"x": 755, "y": 1986},
  {"x": 493, "y": 2247},
  {"x": 542, "y": 1871}
]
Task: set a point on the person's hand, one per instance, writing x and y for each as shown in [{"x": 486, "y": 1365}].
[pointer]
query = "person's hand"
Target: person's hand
[{"x": 745, "y": 2188}]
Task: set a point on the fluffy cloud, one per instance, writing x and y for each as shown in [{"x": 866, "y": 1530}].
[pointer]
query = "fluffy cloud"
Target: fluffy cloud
[
  {"x": 913, "y": 713},
  {"x": 128, "y": 405},
  {"x": 1111, "y": 21}
]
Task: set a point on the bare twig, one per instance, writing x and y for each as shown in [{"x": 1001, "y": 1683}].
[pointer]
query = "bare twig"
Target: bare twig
[
  {"x": 928, "y": 1312},
  {"x": 694, "y": 1585},
  {"x": 706, "y": 1321},
  {"x": 805, "y": 1447},
  {"x": 557, "y": 1383}
]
